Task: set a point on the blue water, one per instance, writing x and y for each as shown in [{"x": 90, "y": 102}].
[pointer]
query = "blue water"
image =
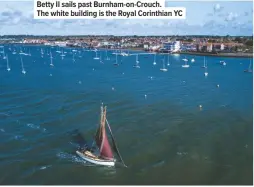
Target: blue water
[{"x": 162, "y": 133}]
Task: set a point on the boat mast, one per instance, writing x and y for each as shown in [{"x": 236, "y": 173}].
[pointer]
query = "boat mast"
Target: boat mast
[{"x": 114, "y": 143}]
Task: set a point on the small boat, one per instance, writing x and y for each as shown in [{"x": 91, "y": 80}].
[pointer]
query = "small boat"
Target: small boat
[
  {"x": 223, "y": 63},
  {"x": 249, "y": 70},
  {"x": 164, "y": 69},
  {"x": 185, "y": 59},
  {"x": 4, "y": 56},
  {"x": 192, "y": 60},
  {"x": 154, "y": 61},
  {"x": 116, "y": 63},
  {"x": 62, "y": 55},
  {"x": 185, "y": 65},
  {"x": 96, "y": 57},
  {"x": 107, "y": 58},
  {"x": 204, "y": 66},
  {"x": 102, "y": 154},
  {"x": 22, "y": 66},
  {"x": 137, "y": 63},
  {"x": 7, "y": 61},
  {"x": 73, "y": 58},
  {"x": 51, "y": 62},
  {"x": 168, "y": 60}
]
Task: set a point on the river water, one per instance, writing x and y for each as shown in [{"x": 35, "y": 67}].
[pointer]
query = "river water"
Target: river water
[{"x": 162, "y": 133}]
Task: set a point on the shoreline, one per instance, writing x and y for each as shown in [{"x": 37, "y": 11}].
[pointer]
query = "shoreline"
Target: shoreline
[
  {"x": 229, "y": 55},
  {"x": 235, "y": 55}
]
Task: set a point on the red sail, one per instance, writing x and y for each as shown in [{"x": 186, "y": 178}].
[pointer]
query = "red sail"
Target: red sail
[
  {"x": 105, "y": 150},
  {"x": 102, "y": 139}
]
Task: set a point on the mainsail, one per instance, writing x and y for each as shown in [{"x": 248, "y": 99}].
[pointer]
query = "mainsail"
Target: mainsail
[{"x": 102, "y": 139}]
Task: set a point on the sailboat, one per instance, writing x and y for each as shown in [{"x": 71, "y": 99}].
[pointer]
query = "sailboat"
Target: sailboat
[
  {"x": 51, "y": 63},
  {"x": 204, "y": 66},
  {"x": 42, "y": 53},
  {"x": 154, "y": 60},
  {"x": 249, "y": 70},
  {"x": 73, "y": 59},
  {"x": 116, "y": 63},
  {"x": 23, "y": 69},
  {"x": 4, "y": 56},
  {"x": 206, "y": 72},
  {"x": 185, "y": 59},
  {"x": 163, "y": 67},
  {"x": 7, "y": 61},
  {"x": 107, "y": 55},
  {"x": 185, "y": 65},
  {"x": 168, "y": 60},
  {"x": 101, "y": 59},
  {"x": 96, "y": 57},
  {"x": 103, "y": 154},
  {"x": 62, "y": 55},
  {"x": 137, "y": 63},
  {"x": 223, "y": 63}
]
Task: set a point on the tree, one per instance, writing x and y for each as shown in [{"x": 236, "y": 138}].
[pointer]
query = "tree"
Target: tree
[{"x": 249, "y": 43}]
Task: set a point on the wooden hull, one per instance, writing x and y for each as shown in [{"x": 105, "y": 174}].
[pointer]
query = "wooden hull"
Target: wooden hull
[{"x": 95, "y": 160}]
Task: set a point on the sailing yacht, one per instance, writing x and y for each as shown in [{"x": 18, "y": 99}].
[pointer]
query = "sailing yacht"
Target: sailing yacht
[
  {"x": 137, "y": 63},
  {"x": 101, "y": 58},
  {"x": 62, "y": 55},
  {"x": 23, "y": 69},
  {"x": 107, "y": 58},
  {"x": 103, "y": 154},
  {"x": 223, "y": 63},
  {"x": 249, "y": 70},
  {"x": 4, "y": 56},
  {"x": 42, "y": 53},
  {"x": 164, "y": 69},
  {"x": 73, "y": 59},
  {"x": 204, "y": 66},
  {"x": 206, "y": 72},
  {"x": 116, "y": 63},
  {"x": 96, "y": 57},
  {"x": 154, "y": 60},
  {"x": 7, "y": 61},
  {"x": 51, "y": 61},
  {"x": 185, "y": 59},
  {"x": 185, "y": 65},
  {"x": 168, "y": 60}
]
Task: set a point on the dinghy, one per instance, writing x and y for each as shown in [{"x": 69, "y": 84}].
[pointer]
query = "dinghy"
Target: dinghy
[{"x": 104, "y": 155}]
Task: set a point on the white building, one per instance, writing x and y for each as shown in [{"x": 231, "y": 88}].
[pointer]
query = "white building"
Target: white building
[
  {"x": 172, "y": 46},
  {"x": 222, "y": 47}
]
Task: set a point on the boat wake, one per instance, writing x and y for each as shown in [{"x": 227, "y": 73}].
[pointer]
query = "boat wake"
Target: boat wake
[
  {"x": 45, "y": 167},
  {"x": 73, "y": 158},
  {"x": 36, "y": 127}
]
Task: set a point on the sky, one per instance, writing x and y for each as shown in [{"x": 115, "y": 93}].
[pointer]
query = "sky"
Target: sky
[{"x": 202, "y": 18}]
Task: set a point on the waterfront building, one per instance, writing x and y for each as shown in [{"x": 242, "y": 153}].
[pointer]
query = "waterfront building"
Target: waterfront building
[{"x": 172, "y": 46}]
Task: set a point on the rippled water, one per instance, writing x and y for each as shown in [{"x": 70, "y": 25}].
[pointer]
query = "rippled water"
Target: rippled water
[{"x": 163, "y": 135}]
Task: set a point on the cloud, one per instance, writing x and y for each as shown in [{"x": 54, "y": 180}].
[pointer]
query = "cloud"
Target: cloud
[
  {"x": 17, "y": 18},
  {"x": 231, "y": 16},
  {"x": 217, "y": 8}
]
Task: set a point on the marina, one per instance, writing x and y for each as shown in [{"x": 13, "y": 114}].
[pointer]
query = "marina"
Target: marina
[{"x": 170, "y": 122}]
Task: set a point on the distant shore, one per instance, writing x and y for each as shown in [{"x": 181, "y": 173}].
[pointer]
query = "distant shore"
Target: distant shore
[{"x": 235, "y": 55}]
